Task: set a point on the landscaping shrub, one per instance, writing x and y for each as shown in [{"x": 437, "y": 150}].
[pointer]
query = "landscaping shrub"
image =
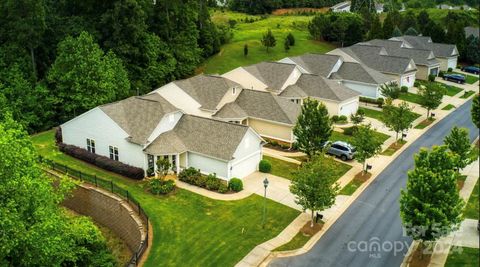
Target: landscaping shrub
[
  {"x": 379, "y": 101},
  {"x": 265, "y": 166},
  {"x": 431, "y": 78},
  {"x": 441, "y": 74},
  {"x": 335, "y": 118},
  {"x": 404, "y": 89},
  {"x": 102, "y": 162},
  {"x": 163, "y": 187},
  {"x": 349, "y": 130},
  {"x": 416, "y": 83},
  {"x": 189, "y": 175},
  {"x": 212, "y": 182},
  {"x": 235, "y": 184},
  {"x": 449, "y": 69},
  {"x": 342, "y": 118},
  {"x": 223, "y": 188},
  {"x": 58, "y": 135}
]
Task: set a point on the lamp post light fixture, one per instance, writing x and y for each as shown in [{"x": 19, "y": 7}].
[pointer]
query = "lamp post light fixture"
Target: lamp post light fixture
[{"x": 265, "y": 185}]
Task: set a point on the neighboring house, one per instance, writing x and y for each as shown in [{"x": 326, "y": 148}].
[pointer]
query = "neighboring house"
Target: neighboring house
[
  {"x": 201, "y": 95},
  {"x": 379, "y": 7},
  {"x": 401, "y": 69},
  {"x": 446, "y": 54},
  {"x": 355, "y": 76},
  {"x": 341, "y": 7},
  {"x": 471, "y": 31},
  {"x": 338, "y": 99},
  {"x": 139, "y": 130},
  {"x": 424, "y": 59},
  {"x": 271, "y": 116}
]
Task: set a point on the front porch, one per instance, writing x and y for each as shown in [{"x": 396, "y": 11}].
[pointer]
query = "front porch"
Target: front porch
[{"x": 178, "y": 162}]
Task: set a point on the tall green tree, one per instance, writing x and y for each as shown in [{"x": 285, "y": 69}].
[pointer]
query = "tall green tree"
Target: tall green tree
[
  {"x": 409, "y": 20},
  {"x": 423, "y": 19},
  {"x": 268, "y": 40},
  {"x": 286, "y": 45},
  {"x": 35, "y": 230},
  {"x": 84, "y": 76},
  {"x": 458, "y": 142},
  {"x": 392, "y": 20},
  {"x": 472, "y": 53},
  {"x": 396, "y": 32},
  {"x": 314, "y": 187},
  {"x": 366, "y": 144},
  {"x": 313, "y": 127},
  {"x": 390, "y": 90},
  {"x": 375, "y": 31},
  {"x": 430, "y": 206},
  {"x": 398, "y": 119},
  {"x": 245, "y": 50},
  {"x": 435, "y": 31},
  {"x": 411, "y": 31},
  {"x": 357, "y": 5},
  {"x": 476, "y": 110},
  {"x": 291, "y": 39},
  {"x": 431, "y": 96}
]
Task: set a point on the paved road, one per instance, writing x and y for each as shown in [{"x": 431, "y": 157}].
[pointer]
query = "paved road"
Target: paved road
[{"x": 374, "y": 217}]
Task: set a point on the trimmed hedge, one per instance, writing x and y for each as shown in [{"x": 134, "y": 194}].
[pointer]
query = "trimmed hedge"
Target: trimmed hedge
[
  {"x": 102, "y": 161},
  {"x": 404, "y": 89},
  {"x": 265, "y": 166},
  {"x": 211, "y": 182},
  {"x": 235, "y": 184},
  {"x": 379, "y": 101}
]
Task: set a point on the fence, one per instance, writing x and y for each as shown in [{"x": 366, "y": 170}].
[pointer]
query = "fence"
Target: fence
[{"x": 109, "y": 186}]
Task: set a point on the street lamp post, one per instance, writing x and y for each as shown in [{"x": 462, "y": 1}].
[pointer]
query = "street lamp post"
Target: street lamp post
[{"x": 265, "y": 185}]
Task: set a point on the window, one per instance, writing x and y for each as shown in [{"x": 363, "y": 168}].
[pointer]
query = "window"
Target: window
[
  {"x": 91, "y": 145},
  {"x": 113, "y": 152},
  {"x": 234, "y": 90}
]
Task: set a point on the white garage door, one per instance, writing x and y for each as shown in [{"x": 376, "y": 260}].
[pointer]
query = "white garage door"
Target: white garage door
[
  {"x": 452, "y": 63},
  {"x": 349, "y": 108},
  {"x": 244, "y": 167}
]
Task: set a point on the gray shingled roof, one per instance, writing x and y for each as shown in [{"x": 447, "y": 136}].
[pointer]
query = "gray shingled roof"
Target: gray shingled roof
[
  {"x": 207, "y": 90},
  {"x": 376, "y": 58},
  {"x": 394, "y": 48},
  {"x": 273, "y": 74},
  {"x": 261, "y": 105},
  {"x": 321, "y": 64},
  {"x": 320, "y": 87},
  {"x": 138, "y": 116},
  {"x": 425, "y": 42},
  {"x": 471, "y": 31},
  {"x": 352, "y": 71},
  {"x": 205, "y": 136}
]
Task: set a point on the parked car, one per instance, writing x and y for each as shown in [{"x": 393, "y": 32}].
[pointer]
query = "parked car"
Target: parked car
[
  {"x": 458, "y": 78},
  {"x": 340, "y": 149},
  {"x": 471, "y": 69}
]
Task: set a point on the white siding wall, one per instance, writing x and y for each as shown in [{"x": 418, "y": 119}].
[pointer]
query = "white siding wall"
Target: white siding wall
[
  {"x": 177, "y": 97},
  {"x": 407, "y": 80},
  {"x": 368, "y": 90},
  {"x": 452, "y": 63},
  {"x": 166, "y": 124},
  {"x": 245, "y": 79},
  {"x": 332, "y": 107},
  {"x": 96, "y": 125},
  {"x": 247, "y": 156},
  {"x": 208, "y": 165},
  {"x": 349, "y": 107},
  {"x": 250, "y": 143}
]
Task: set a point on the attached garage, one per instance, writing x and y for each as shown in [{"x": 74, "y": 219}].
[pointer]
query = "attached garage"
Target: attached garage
[
  {"x": 208, "y": 165},
  {"x": 366, "y": 90},
  {"x": 407, "y": 80},
  {"x": 243, "y": 167},
  {"x": 452, "y": 63},
  {"x": 348, "y": 107}
]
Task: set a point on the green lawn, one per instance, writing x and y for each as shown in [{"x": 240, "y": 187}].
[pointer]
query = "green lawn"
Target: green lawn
[
  {"x": 372, "y": 113},
  {"x": 424, "y": 123},
  {"x": 463, "y": 256},
  {"x": 467, "y": 94},
  {"x": 297, "y": 242},
  {"x": 285, "y": 169},
  {"x": 393, "y": 148},
  {"x": 338, "y": 136},
  {"x": 411, "y": 97},
  {"x": 470, "y": 79},
  {"x": 471, "y": 209},
  {"x": 351, "y": 187},
  {"x": 189, "y": 229},
  {"x": 231, "y": 54},
  {"x": 448, "y": 107},
  {"x": 450, "y": 90}
]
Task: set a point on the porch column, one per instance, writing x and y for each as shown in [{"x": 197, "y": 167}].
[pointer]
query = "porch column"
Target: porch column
[{"x": 177, "y": 163}]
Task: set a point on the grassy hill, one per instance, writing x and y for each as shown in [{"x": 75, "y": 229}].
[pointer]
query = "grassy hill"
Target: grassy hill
[{"x": 231, "y": 54}]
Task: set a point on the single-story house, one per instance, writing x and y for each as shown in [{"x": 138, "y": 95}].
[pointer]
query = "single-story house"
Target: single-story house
[
  {"x": 425, "y": 60},
  {"x": 201, "y": 95},
  {"x": 446, "y": 54},
  {"x": 139, "y": 130},
  {"x": 271, "y": 116},
  {"x": 355, "y": 76},
  {"x": 341, "y": 7},
  {"x": 402, "y": 69}
]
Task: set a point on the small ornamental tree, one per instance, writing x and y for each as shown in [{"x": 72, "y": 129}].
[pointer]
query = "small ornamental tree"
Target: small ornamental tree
[
  {"x": 398, "y": 119},
  {"x": 163, "y": 166},
  {"x": 430, "y": 206},
  {"x": 245, "y": 50},
  {"x": 268, "y": 40},
  {"x": 286, "y": 45},
  {"x": 411, "y": 31},
  {"x": 366, "y": 144},
  {"x": 358, "y": 117},
  {"x": 313, "y": 127},
  {"x": 431, "y": 96},
  {"x": 476, "y": 110},
  {"x": 391, "y": 90},
  {"x": 291, "y": 39},
  {"x": 314, "y": 186},
  {"x": 459, "y": 143}
]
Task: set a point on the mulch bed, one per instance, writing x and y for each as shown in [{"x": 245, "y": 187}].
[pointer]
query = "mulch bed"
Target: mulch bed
[
  {"x": 362, "y": 177},
  {"x": 310, "y": 231},
  {"x": 418, "y": 259}
]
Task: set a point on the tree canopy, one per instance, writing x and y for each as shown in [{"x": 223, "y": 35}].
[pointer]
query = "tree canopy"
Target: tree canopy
[
  {"x": 458, "y": 142},
  {"x": 398, "y": 118},
  {"x": 431, "y": 96},
  {"x": 476, "y": 110},
  {"x": 366, "y": 144}
]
